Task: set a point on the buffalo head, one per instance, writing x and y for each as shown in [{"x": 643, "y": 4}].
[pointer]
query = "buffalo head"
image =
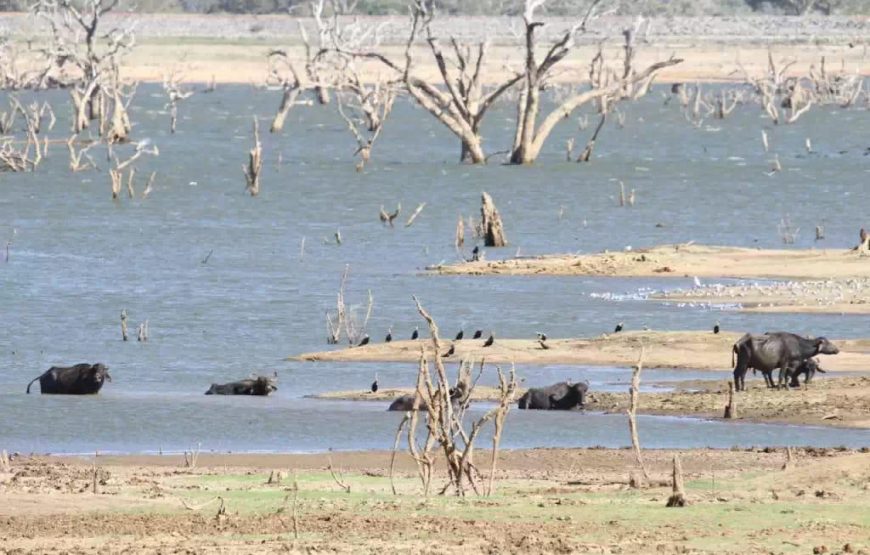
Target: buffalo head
[
  {"x": 825, "y": 347},
  {"x": 100, "y": 372}
]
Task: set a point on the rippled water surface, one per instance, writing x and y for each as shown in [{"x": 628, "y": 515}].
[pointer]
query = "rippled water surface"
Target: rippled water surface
[{"x": 77, "y": 259}]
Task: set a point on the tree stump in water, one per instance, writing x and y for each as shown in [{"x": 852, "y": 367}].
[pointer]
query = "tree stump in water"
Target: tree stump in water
[
  {"x": 731, "y": 407},
  {"x": 493, "y": 231},
  {"x": 678, "y": 497}
]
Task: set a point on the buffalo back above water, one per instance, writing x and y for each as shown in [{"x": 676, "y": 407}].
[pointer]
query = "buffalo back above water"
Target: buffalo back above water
[
  {"x": 81, "y": 379},
  {"x": 259, "y": 385},
  {"x": 560, "y": 396}
]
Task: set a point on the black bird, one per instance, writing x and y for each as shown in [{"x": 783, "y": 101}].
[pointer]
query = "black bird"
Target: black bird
[
  {"x": 450, "y": 351},
  {"x": 475, "y": 254},
  {"x": 365, "y": 341},
  {"x": 416, "y": 333},
  {"x": 389, "y": 336},
  {"x": 541, "y": 336},
  {"x": 478, "y": 334},
  {"x": 618, "y": 328},
  {"x": 716, "y": 327},
  {"x": 375, "y": 384},
  {"x": 459, "y": 335},
  {"x": 490, "y": 340}
]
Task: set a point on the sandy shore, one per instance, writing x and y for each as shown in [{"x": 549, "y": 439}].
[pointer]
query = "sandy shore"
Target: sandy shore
[
  {"x": 233, "y": 48},
  {"x": 844, "y": 296},
  {"x": 827, "y": 401},
  {"x": 686, "y": 260},
  {"x": 546, "y": 501},
  {"x": 693, "y": 350}
]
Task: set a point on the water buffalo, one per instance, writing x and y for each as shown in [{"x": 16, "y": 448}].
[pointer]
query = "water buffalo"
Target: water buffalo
[
  {"x": 808, "y": 368},
  {"x": 770, "y": 351},
  {"x": 81, "y": 379},
  {"x": 458, "y": 396},
  {"x": 256, "y": 385},
  {"x": 560, "y": 396}
]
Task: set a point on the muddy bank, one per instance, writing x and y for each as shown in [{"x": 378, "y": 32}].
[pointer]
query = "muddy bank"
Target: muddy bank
[
  {"x": 839, "y": 401},
  {"x": 680, "y": 260},
  {"x": 696, "y": 350},
  {"x": 547, "y": 500}
]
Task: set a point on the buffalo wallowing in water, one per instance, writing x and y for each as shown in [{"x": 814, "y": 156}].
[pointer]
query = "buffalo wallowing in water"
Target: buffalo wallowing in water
[
  {"x": 255, "y": 385},
  {"x": 560, "y": 396},
  {"x": 81, "y": 379}
]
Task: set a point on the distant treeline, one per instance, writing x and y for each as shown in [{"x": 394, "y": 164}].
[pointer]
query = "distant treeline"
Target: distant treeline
[{"x": 496, "y": 7}]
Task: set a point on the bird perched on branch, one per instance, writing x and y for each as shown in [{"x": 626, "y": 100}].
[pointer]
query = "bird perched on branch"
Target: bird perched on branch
[
  {"x": 490, "y": 340},
  {"x": 450, "y": 351},
  {"x": 618, "y": 328},
  {"x": 416, "y": 333},
  {"x": 541, "y": 336}
]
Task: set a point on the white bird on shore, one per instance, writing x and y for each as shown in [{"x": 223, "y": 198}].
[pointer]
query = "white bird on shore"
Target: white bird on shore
[{"x": 697, "y": 281}]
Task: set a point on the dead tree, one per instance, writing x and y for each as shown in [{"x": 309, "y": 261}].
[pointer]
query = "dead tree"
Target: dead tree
[
  {"x": 490, "y": 221},
  {"x": 283, "y": 73},
  {"x": 678, "y": 495},
  {"x": 634, "y": 392},
  {"x": 80, "y": 52},
  {"x": 117, "y": 173},
  {"x": 314, "y": 69},
  {"x": 175, "y": 93},
  {"x": 255, "y": 163},
  {"x": 19, "y": 154},
  {"x": 459, "y": 101},
  {"x": 529, "y": 137},
  {"x": 445, "y": 407},
  {"x": 75, "y": 158},
  {"x": 365, "y": 110}
]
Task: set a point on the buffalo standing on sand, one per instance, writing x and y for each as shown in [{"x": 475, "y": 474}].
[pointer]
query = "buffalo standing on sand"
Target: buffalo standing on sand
[
  {"x": 560, "y": 396},
  {"x": 783, "y": 350},
  {"x": 257, "y": 385},
  {"x": 81, "y": 379}
]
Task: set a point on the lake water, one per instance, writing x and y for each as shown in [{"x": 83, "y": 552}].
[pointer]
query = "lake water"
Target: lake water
[{"x": 77, "y": 259}]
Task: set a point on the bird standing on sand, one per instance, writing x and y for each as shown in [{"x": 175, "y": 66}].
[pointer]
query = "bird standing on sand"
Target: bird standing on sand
[
  {"x": 490, "y": 340},
  {"x": 459, "y": 335},
  {"x": 365, "y": 341},
  {"x": 475, "y": 254},
  {"x": 389, "y": 336},
  {"x": 716, "y": 327},
  {"x": 478, "y": 334},
  {"x": 541, "y": 336},
  {"x": 375, "y": 384},
  {"x": 450, "y": 351},
  {"x": 618, "y": 328},
  {"x": 416, "y": 333}
]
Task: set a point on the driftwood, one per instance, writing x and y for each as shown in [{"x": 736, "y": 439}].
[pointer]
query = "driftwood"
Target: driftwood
[
  {"x": 124, "y": 324},
  {"x": 490, "y": 220},
  {"x": 416, "y": 213},
  {"x": 337, "y": 476},
  {"x": 459, "y": 236}
]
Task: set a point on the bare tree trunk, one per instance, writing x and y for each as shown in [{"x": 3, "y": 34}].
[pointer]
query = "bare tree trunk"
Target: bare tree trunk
[
  {"x": 322, "y": 94},
  {"x": 255, "y": 163},
  {"x": 678, "y": 497},
  {"x": 287, "y": 101},
  {"x": 587, "y": 152},
  {"x": 493, "y": 231},
  {"x": 632, "y": 413}
]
